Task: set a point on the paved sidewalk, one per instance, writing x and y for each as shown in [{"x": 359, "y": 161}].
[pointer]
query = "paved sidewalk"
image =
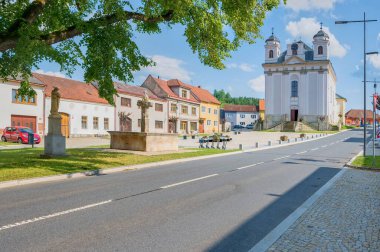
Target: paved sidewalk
[{"x": 345, "y": 218}]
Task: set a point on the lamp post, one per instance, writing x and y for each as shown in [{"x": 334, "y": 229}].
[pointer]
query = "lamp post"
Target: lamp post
[{"x": 364, "y": 21}]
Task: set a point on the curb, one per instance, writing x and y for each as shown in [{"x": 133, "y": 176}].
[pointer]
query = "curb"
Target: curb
[
  {"x": 53, "y": 178},
  {"x": 364, "y": 168}
]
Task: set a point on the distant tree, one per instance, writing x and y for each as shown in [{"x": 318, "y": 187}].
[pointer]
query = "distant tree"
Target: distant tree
[
  {"x": 32, "y": 31},
  {"x": 225, "y": 98}
]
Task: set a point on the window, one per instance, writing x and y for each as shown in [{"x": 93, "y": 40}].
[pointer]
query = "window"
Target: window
[
  {"x": 242, "y": 123},
  {"x": 185, "y": 110},
  {"x": 203, "y": 109},
  {"x": 84, "y": 122},
  {"x": 294, "y": 88},
  {"x": 159, "y": 107},
  {"x": 173, "y": 107},
  {"x": 320, "y": 50},
  {"x": 159, "y": 124},
  {"x": 184, "y": 94},
  {"x": 215, "y": 123},
  {"x": 106, "y": 124},
  {"x": 294, "y": 52},
  {"x": 215, "y": 111},
  {"x": 253, "y": 116},
  {"x": 125, "y": 102},
  {"x": 193, "y": 126},
  {"x": 271, "y": 54},
  {"x": 139, "y": 123},
  {"x": 95, "y": 122},
  {"x": 194, "y": 111},
  {"x": 209, "y": 110},
  {"x": 22, "y": 99},
  {"x": 183, "y": 125},
  {"x": 242, "y": 116},
  {"x": 208, "y": 122}
]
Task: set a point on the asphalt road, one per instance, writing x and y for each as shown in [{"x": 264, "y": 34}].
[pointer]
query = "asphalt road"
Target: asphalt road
[{"x": 219, "y": 204}]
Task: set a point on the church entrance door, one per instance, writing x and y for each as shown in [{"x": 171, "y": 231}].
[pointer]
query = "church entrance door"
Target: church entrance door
[{"x": 294, "y": 115}]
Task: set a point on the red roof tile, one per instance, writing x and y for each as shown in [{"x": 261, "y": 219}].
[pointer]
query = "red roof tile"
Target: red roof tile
[
  {"x": 164, "y": 85},
  {"x": 70, "y": 89},
  {"x": 240, "y": 108},
  {"x": 358, "y": 114},
  {"x": 135, "y": 91}
]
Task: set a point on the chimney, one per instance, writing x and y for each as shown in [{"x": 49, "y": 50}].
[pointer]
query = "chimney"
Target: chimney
[
  {"x": 158, "y": 77},
  {"x": 199, "y": 86}
]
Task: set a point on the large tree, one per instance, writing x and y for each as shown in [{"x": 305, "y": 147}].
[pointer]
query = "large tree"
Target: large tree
[{"x": 97, "y": 35}]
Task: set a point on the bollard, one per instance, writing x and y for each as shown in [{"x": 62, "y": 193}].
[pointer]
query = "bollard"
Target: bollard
[
  {"x": 295, "y": 139},
  {"x": 269, "y": 143},
  {"x": 312, "y": 136},
  {"x": 257, "y": 144},
  {"x": 279, "y": 142},
  {"x": 289, "y": 140},
  {"x": 240, "y": 147}
]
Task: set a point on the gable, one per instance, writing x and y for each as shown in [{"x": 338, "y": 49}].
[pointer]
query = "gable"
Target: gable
[{"x": 294, "y": 60}]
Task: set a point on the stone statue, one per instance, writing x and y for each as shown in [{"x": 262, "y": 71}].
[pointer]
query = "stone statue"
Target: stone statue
[
  {"x": 55, "y": 98},
  {"x": 144, "y": 105}
]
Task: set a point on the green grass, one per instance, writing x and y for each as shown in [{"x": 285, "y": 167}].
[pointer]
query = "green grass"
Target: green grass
[
  {"x": 6, "y": 143},
  {"x": 349, "y": 127},
  {"x": 26, "y": 163},
  {"x": 367, "y": 162}
]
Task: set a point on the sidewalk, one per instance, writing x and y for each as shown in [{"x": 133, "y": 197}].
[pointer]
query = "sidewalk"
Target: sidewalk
[{"x": 345, "y": 218}]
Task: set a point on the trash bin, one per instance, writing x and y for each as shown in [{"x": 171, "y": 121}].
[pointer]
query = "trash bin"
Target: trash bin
[{"x": 31, "y": 139}]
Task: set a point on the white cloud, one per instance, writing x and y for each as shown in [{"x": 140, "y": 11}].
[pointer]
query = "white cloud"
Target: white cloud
[
  {"x": 374, "y": 60},
  {"x": 169, "y": 68},
  {"x": 56, "y": 74},
  {"x": 298, "y": 5},
  {"x": 308, "y": 27},
  {"x": 243, "y": 66},
  {"x": 378, "y": 37},
  {"x": 258, "y": 84}
]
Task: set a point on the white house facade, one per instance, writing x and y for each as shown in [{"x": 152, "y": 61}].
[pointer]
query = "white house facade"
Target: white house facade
[
  {"x": 22, "y": 111},
  {"x": 83, "y": 112},
  {"x": 300, "y": 83},
  {"x": 241, "y": 114},
  {"x": 128, "y": 114}
]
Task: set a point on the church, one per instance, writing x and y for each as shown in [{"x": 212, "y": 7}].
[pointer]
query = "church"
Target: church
[{"x": 300, "y": 83}]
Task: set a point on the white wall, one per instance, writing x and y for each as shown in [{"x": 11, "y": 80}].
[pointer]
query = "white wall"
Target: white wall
[
  {"x": 136, "y": 114},
  {"x": 7, "y": 108},
  {"x": 77, "y": 109}
]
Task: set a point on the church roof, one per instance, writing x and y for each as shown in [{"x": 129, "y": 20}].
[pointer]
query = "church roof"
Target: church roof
[
  {"x": 321, "y": 33},
  {"x": 272, "y": 38}
]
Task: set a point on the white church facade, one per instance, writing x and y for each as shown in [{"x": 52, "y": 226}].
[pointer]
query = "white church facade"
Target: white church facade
[{"x": 300, "y": 83}]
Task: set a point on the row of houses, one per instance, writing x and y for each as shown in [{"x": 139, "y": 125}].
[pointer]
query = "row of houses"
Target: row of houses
[{"x": 177, "y": 107}]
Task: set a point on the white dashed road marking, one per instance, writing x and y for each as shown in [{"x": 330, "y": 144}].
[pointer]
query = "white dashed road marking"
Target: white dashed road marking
[
  {"x": 281, "y": 158},
  {"x": 324, "y": 146},
  {"x": 189, "y": 181},
  {"x": 248, "y": 166},
  {"x": 302, "y": 152},
  {"x": 54, "y": 215},
  {"x": 315, "y": 149}
]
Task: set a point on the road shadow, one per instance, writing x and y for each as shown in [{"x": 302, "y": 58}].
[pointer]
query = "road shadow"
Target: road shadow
[
  {"x": 354, "y": 140},
  {"x": 258, "y": 226}
]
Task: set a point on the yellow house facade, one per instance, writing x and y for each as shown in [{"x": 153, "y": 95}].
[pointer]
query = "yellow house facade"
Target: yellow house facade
[{"x": 341, "y": 105}]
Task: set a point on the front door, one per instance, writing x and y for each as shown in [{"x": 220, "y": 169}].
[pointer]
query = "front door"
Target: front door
[
  {"x": 65, "y": 124},
  {"x": 202, "y": 127},
  {"x": 25, "y": 121},
  {"x": 294, "y": 115}
]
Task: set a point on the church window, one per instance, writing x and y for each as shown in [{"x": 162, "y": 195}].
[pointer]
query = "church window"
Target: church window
[
  {"x": 294, "y": 88},
  {"x": 320, "y": 50},
  {"x": 271, "y": 54},
  {"x": 294, "y": 48}
]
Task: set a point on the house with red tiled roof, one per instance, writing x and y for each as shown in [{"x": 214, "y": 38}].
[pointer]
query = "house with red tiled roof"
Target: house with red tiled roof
[
  {"x": 128, "y": 114},
  {"x": 21, "y": 111},
  {"x": 355, "y": 117},
  {"x": 183, "y": 107},
  {"x": 242, "y": 115},
  {"x": 83, "y": 112}
]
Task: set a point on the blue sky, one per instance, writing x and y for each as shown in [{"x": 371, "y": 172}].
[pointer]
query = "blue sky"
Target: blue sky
[{"x": 243, "y": 75}]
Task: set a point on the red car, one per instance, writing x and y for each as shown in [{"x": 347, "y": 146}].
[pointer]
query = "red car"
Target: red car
[{"x": 19, "y": 134}]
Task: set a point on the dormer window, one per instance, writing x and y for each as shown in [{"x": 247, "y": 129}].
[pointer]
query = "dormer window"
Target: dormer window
[
  {"x": 294, "y": 48},
  {"x": 184, "y": 94},
  {"x": 320, "y": 50},
  {"x": 271, "y": 54}
]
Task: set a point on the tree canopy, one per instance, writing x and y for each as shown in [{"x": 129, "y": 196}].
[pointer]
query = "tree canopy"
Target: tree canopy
[
  {"x": 226, "y": 98},
  {"x": 97, "y": 35}
]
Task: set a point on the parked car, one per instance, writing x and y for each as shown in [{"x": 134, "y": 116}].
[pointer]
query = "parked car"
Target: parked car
[
  {"x": 19, "y": 134},
  {"x": 238, "y": 127},
  {"x": 249, "y": 126}
]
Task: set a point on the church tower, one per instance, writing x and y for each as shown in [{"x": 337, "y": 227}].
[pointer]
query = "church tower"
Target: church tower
[
  {"x": 272, "y": 49},
  {"x": 321, "y": 42}
]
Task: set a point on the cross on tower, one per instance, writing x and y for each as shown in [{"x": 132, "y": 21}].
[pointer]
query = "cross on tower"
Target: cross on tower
[
  {"x": 321, "y": 25},
  {"x": 272, "y": 30}
]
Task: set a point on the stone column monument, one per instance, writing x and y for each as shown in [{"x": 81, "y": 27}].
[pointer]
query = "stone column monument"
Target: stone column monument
[
  {"x": 144, "y": 105},
  {"x": 55, "y": 142}
]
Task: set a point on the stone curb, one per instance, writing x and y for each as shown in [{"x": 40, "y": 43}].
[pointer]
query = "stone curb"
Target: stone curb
[
  {"x": 53, "y": 178},
  {"x": 364, "y": 168}
]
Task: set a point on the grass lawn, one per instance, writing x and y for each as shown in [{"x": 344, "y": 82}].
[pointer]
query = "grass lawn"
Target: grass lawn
[
  {"x": 26, "y": 163},
  {"x": 366, "y": 162},
  {"x": 6, "y": 143}
]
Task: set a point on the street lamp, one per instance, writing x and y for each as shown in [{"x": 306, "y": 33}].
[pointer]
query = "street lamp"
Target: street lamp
[{"x": 364, "y": 21}]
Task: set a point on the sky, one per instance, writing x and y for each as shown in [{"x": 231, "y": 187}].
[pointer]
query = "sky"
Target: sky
[{"x": 243, "y": 75}]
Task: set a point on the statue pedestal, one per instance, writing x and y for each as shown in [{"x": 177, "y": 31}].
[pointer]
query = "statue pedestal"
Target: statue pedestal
[{"x": 55, "y": 143}]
